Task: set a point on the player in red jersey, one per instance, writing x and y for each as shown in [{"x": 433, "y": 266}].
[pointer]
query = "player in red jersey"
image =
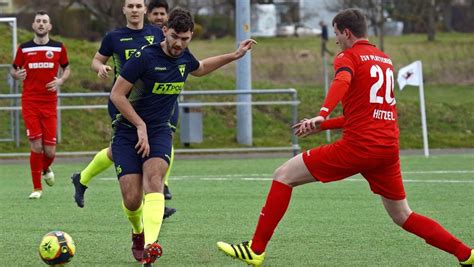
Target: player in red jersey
[
  {"x": 363, "y": 83},
  {"x": 36, "y": 64}
]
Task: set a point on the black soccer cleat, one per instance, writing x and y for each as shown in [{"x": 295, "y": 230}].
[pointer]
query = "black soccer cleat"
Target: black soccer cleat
[
  {"x": 79, "y": 189},
  {"x": 167, "y": 193},
  {"x": 168, "y": 212}
]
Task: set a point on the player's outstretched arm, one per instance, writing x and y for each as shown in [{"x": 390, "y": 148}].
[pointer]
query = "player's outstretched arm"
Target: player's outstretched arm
[
  {"x": 118, "y": 96},
  {"x": 99, "y": 66},
  {"x": 210, "y": 64}
]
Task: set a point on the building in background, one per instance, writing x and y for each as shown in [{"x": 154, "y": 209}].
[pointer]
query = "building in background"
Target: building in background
[
  {"x": 312, "y": 12},
  {"x": 6, "y": 7}
]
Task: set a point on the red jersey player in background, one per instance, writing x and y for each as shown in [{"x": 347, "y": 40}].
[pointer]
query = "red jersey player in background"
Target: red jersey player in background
[
  {"x": 36, "y": 64},
  {"x": 364, "y": 81}
]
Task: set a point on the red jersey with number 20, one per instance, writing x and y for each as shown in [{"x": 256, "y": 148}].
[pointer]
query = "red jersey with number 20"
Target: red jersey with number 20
[
  {"x": 369, "y": 103},
  {"x": 41, "y": 63}
]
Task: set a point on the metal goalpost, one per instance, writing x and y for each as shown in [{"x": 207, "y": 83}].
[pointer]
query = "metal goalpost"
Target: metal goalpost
[{"x": 13, "y": 87}]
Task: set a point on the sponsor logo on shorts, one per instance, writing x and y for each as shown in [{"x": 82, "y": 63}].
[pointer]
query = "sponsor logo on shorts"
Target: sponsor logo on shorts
[{"x": 118, "y": 169}]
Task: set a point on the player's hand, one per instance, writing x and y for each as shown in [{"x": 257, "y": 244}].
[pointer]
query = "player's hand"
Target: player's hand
[
  {"x": 53, "y": 85},
  {"x": 142, "y": 146},
  {"x": 104, "y": 71},
  {"x": 244, "y": 46},
  {"x": 308, "y": 126},
  {"x": 20, "y": 74}
]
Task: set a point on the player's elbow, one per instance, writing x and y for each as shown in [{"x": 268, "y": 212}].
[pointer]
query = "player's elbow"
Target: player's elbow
[
  {"x": 198, "y": 73},
  {"x": 115, "y": 97}
]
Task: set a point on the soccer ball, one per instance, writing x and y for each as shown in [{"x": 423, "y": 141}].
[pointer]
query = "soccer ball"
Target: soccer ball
[{"x": 57, "y": 247}]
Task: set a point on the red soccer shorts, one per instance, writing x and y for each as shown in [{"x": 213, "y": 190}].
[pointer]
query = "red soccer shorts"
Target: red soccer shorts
[
  {"x": 337, "y": 161},
  {"x": 40, "y": 121}
]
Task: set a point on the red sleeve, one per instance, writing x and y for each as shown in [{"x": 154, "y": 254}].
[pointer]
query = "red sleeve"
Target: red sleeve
[
  {"x": 19, "y": 59},
  {"x": 334, "y": 123},
  {"x": 63, "y": 61},
  {"x": 344, "y": 69}
]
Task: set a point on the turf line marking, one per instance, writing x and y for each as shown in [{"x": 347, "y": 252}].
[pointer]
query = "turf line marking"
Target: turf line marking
[
  {"x": 269, "y": 179},
  {"x": 269, "y": 175},
  {"x": 438, "y": 172}
]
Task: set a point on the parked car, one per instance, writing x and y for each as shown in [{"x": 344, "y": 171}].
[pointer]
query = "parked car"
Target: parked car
[{"x": 303, "y": 30}]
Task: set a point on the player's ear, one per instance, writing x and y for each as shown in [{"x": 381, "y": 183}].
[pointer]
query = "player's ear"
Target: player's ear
[
  {"x": 348, "y": 33},
  {"x": 164, "y": 29}
]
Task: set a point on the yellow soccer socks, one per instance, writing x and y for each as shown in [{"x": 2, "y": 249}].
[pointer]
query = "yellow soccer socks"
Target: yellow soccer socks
[
  {"x": 169, "y": 167},
  {"x": 99, "y": 164},
  {"x": 135, "y": 218},
  {"x": 153, "y": 211}
]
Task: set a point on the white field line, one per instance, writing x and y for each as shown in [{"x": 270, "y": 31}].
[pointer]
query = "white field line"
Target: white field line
[{"x": 268, "y": 177}]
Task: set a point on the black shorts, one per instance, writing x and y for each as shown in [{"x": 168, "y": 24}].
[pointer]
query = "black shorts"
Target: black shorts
[{"x": 125, "y": 156}]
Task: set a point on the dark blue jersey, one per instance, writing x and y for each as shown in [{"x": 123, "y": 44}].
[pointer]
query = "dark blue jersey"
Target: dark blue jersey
[
  {"x": 157, "y": 81},
  {"x": 123, "y": 42}
]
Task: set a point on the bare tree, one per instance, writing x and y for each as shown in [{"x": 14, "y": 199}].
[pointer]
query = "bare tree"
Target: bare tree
[
  {"x": 106, "y": 12},
  {"x": 423, "y": 16}
]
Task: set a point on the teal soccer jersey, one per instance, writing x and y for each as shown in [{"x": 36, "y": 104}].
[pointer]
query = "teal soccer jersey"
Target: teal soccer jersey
[{"x": 157, "y": 81}]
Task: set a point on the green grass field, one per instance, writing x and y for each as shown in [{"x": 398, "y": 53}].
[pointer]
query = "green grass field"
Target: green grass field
[
  {"x": 278, "y": 63},
  {"x": 326, "y": 225}
]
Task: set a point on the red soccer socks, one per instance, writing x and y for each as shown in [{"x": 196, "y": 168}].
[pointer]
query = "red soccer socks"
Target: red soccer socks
[
  {"x": 275, "y": 207},
  {"x": 36, "y": 166},
  {"x": 434, "y": 234}
]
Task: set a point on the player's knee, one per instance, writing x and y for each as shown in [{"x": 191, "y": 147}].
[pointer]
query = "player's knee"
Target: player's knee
[
  {"x": 132, "y": 201},
  {"x": 282, "y": 175},
  {"x": 50, "y": 153},
  {"x": 154, "y": 183},
  {"x": 36, "y": 147},
  {"x": 109, "y": 153},
  {"x": 400, "y": 217}
]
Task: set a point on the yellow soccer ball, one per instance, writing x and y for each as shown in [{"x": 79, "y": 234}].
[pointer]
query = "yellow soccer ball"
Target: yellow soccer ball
[{"x": 57, "y": 248}]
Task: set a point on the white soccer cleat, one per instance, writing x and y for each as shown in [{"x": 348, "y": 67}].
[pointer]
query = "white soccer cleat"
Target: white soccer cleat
[
  {"x": 48, "y": 176},
  {"x": 35, "y": 194}
]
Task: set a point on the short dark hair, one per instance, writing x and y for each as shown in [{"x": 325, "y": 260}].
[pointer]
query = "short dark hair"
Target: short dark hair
[
  {"x": 180, "y": 20},
  {"x": 41, "y": 13},
  {"x": 152, "y": 4},
  {"x": 351, "y": 19}
]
